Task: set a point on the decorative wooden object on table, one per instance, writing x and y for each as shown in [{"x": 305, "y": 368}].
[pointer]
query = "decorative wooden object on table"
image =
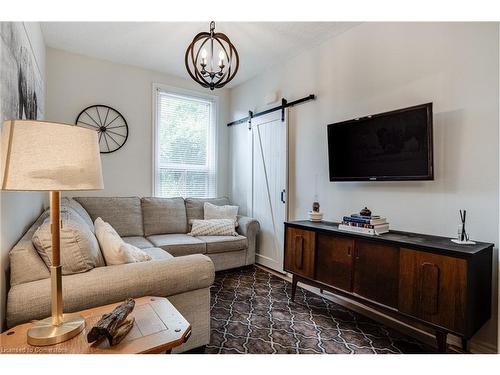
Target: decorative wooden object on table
[
  {"x": 158, "y": 328},
  {"x": 113, "y": 326},
  {"x": 425, "y": 281}
]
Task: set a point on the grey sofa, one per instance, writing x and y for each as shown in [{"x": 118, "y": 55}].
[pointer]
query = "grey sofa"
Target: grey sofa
[{"x": 182, "y": 268}]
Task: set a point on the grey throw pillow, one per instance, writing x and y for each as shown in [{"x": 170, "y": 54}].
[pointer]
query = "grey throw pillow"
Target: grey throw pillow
[
  {"x": 80, "y": 250},
  {"x": 78, "y": 208}
]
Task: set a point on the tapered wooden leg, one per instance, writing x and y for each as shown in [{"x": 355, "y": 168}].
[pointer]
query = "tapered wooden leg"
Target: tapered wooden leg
[
  {"x": 294, "y": 286},
  {"x": 441, "y": 341}
]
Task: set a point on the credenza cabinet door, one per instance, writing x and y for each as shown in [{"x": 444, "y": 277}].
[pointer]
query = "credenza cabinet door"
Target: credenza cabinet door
[
  {"x": 433, "y": 288},
  {"x": 334, "y": 261},
  {"x": 299, "y": 252},
  {"x": 376, "y": 272}
]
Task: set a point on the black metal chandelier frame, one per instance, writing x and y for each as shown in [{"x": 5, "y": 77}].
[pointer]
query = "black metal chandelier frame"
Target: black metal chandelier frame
[{"x": 204, "y": 73}]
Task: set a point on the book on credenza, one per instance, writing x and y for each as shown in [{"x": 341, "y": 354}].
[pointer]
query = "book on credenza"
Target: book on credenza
[
  {"x": 378, "y": 229},
  {"x": 372, "y": 220},
  {"x": 363, "y": 225}
]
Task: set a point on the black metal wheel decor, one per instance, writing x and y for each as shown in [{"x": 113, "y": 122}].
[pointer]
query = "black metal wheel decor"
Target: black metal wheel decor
[{"x": 108, "y": 122}]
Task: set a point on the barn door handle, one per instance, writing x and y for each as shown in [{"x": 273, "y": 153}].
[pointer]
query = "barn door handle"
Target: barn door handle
[{"x": 283, "y": 196}]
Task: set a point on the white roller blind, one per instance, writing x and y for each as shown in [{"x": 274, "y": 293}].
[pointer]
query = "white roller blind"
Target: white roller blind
[{"x": 185, "y": 146}]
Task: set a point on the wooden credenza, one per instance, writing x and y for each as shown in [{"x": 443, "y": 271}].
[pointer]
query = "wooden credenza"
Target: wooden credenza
[{"x": 427, "y": 281}]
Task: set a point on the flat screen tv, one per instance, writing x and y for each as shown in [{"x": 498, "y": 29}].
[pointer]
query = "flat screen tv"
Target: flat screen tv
[{"x": 390, "y": 146}]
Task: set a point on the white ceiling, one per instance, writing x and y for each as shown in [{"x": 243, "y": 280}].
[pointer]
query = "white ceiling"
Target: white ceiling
[{"x": 160, "y": 46}]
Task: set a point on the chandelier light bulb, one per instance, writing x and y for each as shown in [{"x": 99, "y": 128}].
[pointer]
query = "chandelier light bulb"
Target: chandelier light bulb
[
  {"x": 221, "y": 61},
  {"x": 203, "y": 57}
]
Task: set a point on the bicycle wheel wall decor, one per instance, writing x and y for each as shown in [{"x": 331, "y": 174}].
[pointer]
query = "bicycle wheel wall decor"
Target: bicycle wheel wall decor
[{"x": 109, "y": 124}]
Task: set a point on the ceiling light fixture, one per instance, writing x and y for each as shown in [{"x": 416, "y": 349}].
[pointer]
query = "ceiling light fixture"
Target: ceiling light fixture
[{"x": 211, "y": 59}]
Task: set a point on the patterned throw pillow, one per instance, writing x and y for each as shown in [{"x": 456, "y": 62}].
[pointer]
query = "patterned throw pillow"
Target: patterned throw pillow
[{"x": 213, "y": 227}]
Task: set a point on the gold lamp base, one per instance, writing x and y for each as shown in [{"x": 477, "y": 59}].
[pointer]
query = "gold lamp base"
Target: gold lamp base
[{"x": 43, "y": 333}]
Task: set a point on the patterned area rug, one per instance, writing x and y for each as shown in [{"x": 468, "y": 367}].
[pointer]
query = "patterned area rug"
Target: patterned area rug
[{"x": 252, "y": 313}]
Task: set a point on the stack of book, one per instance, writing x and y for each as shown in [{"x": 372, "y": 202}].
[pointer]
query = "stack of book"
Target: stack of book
[{"x": 373, "y": 225}]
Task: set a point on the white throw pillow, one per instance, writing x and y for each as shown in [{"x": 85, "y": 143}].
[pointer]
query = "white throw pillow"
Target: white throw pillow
[
  {"x": 212, "y": 211},
  {"x": 115, "y": 250},
  {"x": 213, "y": 227}
]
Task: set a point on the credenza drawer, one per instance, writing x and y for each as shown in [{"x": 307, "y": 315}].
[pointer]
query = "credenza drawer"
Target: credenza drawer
[
  {"x": 334, "y": 261},
  {"x": 433, "y": 288},
  {"x": 300, "y": 252}
]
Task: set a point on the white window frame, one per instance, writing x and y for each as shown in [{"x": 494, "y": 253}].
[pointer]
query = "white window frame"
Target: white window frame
[{"x": 158, "y": 87}]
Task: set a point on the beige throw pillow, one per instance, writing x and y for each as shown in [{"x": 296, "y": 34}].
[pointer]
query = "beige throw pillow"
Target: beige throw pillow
[
  {"x": 79, "y": 247},
  {"x": 212, "y": 211},
  {"x": 213, "y": 227},
  {"x": 115, "y": 250}
]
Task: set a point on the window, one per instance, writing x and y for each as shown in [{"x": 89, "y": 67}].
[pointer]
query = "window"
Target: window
[{"x": 185, "y": 145}]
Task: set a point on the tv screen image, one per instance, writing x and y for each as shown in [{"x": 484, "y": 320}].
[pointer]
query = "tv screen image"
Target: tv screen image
[{"x": 394, "y": 145}]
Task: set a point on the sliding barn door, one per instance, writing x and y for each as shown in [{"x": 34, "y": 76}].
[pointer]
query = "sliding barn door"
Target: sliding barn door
[{"x": 270, "y": 186}]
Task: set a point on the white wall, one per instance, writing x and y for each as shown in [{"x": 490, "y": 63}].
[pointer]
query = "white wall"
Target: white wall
[
  {"x": 19, "y": 209},
  {"x": 376, "y": 67},
  {"x": 75, "y": 82}
]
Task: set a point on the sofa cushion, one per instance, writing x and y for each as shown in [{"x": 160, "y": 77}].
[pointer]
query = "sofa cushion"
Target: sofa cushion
[
  {"x": 156, "y": 253},
  {"x": 222, "y": 244},
  {"x": 138, "y": 241},
  {"x": 194, "y": 206},
  {"x": 79, "y": 248},
  {"x": 164, "y": 215},
  {"x": 124, "y": 214},
  {"x": 78, "y": 208},
  {"x": 179, "y": 244}
]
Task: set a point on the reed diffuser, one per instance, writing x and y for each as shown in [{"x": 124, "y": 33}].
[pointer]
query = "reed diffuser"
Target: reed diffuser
[{"x": 463, "y": 237}]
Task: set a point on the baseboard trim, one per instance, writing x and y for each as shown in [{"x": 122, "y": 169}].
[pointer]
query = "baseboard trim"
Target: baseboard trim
[
  {"x": 283, "y": 276},
  {"x": 268, "y": 263}
]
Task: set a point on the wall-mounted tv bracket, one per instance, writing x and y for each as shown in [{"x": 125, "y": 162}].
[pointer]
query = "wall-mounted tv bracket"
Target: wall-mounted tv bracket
[{"x": 284, "y": 104}]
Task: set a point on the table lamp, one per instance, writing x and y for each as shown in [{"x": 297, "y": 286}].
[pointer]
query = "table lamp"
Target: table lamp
[{"x": 47, "y": 156}]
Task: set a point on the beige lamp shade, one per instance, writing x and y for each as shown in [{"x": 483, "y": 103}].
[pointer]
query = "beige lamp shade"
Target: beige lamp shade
[{"x": 43, "y": 156}]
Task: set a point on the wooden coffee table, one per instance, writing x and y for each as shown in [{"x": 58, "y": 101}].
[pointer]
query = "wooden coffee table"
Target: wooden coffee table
[{"x": 158, "y": 328}]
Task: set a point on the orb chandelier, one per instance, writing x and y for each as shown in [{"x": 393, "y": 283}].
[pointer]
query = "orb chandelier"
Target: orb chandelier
[{"x": 211, "y": 59}]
